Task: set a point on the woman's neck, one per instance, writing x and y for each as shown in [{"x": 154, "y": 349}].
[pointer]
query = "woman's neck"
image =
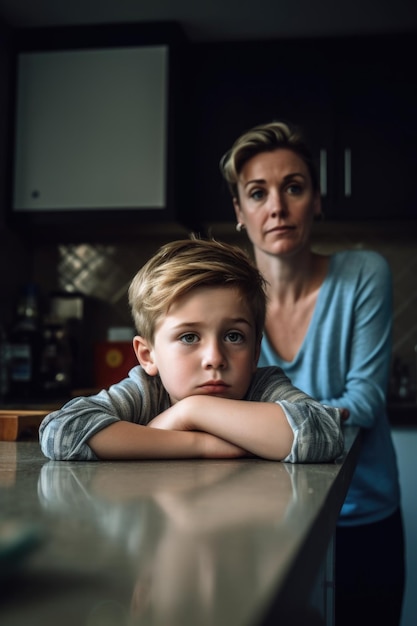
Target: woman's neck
[
  {"x": 293, "y": 285},
  {"x": 292, "y": 278}
]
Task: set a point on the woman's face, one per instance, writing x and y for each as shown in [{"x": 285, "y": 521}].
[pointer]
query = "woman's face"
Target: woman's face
[{"x": 276, "y": 202}]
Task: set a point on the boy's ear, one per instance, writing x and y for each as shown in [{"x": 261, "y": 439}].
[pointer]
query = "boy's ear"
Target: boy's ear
[{"x": 144, "y": 355}]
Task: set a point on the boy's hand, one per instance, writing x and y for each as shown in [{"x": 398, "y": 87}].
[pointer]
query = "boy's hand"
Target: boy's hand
[
  {"x": 210, "y": 446},
  {"x": 215, "y": 448},
  {"x": 183, "y": 415},
  {"x": 171, "y": 419}
]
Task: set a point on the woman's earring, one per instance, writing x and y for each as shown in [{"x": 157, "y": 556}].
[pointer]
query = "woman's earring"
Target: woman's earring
[{"x": 240, "y": 227}]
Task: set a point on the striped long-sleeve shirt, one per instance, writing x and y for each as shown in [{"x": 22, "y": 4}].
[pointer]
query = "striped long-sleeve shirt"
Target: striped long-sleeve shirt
[{"x": 64, "y": 434}]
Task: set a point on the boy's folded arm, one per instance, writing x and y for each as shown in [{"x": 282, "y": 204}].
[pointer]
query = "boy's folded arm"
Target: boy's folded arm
[
  {"x": 261, "y": 428},
  {"x": 126, "y": 440},
  {"x": 298, "y": 432}
]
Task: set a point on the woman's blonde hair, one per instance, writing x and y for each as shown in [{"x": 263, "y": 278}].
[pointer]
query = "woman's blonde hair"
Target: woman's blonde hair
[
  {"x": 181, "y": 266},
  {"x": 265, "y": 138}
]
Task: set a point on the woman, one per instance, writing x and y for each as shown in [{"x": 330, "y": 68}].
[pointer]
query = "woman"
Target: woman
[{"x": 328, "y": 326}]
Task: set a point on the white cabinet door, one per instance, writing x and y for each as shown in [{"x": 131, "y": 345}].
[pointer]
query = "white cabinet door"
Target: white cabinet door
[{"x": 91, "y": 129}]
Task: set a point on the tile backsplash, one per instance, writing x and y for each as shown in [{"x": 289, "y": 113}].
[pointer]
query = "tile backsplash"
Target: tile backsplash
[{"x": 103, "y": 272}]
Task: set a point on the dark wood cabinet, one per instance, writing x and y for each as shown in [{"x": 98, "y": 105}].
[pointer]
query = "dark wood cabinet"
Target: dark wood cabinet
[
  {"x": 376, "y": 129},
  {"x": 353, "y": 97},
  {"x": 239, "y": 85}
]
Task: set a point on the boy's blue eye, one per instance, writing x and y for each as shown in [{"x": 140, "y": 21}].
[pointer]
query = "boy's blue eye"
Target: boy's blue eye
[
  {"x": 189, "y": 338},
  {"x": 235, "y": 337}
]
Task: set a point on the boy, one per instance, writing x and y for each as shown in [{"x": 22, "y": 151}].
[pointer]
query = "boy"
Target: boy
[{"x": 199, "y": 310}]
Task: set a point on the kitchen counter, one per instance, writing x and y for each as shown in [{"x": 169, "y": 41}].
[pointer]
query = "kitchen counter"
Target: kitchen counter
[{"x": 166, "y": 543}]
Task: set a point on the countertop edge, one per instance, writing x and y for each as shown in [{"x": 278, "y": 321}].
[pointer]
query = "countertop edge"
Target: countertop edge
[{"x": 287, "y": 607}]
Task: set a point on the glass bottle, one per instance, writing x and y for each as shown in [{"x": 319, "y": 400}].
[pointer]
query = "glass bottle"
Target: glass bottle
[
  {"x": 26, "y": 346},
  {"x": 56, "y": 361}
]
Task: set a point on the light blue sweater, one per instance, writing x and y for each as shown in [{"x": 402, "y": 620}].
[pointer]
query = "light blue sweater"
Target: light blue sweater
[{"x": 345, "y": 361}]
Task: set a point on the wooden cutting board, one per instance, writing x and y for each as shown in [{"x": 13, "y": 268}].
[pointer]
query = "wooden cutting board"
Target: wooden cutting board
[{"x": 18, "y": 423}]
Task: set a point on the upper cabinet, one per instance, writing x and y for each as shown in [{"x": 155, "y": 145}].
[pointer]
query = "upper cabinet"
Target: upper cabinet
[
  {"x": 95, "y": 126},
  {"x": 375, "y": 156},
  {"x": 354, "y": 98},
  {"x": 126, "y": 124}
]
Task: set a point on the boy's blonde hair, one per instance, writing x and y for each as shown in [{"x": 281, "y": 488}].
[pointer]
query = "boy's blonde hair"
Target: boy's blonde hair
[{"x": 181, "y": 266}]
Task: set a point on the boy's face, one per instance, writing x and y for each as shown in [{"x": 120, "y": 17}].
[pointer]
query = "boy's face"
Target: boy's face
[{"x": 204, "y": 345}]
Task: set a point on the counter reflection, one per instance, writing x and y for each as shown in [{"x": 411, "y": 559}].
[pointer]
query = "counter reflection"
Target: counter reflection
[{"x": 179, "y": 531}]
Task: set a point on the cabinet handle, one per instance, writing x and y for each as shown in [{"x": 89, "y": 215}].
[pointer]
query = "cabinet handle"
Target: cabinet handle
[
  {"x": 348, "y": 173},
  {"x": 323, "y": 172}
]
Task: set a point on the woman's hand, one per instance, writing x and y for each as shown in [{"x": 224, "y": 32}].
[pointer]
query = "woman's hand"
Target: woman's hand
[{"x": 344, "y": 414}]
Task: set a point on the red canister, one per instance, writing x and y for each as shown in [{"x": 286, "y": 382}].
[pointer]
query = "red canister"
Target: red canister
[{"x": 112, "y": 362}]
